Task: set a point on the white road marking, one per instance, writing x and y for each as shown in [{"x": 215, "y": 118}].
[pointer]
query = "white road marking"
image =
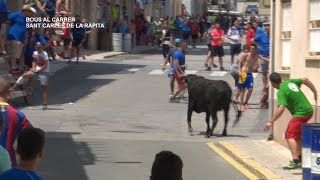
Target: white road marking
[
  {"x": 133, "y": 69},
  {"x": 156, "y": 72},
  {"x": 218, "y": 73},
  {"x": 191, "y": 71}
]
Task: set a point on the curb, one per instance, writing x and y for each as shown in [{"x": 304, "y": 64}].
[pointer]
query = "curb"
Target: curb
[
  {"x": 261, "y": 171},
  {"x": 113, "y": 55}
]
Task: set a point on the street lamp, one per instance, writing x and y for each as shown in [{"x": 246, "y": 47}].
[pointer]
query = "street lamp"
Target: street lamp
[{"x": 272, "y": 66}]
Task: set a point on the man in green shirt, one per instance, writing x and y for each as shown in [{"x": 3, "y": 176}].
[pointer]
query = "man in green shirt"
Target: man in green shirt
[{"x": 291, "y": 97}]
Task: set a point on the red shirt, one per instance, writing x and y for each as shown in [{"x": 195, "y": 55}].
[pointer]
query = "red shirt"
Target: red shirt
[
  {"x": 216, "y": 33},
  {"x": 250, "y": 34},
  {"x": 194, "y": 28},
  {"x": 66, "y": 32}
]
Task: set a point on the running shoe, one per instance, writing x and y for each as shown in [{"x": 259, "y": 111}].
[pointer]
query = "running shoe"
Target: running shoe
[
  {"x": 205, "y": 65},
  {"x": 45, "y": 107},
  {"x": 214, "y": 65},
  {"x": 222, "y": 69},
  {"x": 173, "y": 99},
  {"x": 293, "y": 165},
  {"x": 208, "y": 69}
]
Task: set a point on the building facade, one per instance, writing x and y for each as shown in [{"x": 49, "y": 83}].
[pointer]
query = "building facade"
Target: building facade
[
  {"x": 195, "y": 7},
  {"x": 297, "y": 50}
]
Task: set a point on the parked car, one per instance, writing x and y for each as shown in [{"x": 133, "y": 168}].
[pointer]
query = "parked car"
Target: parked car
[{"x": 252, "y": 9}]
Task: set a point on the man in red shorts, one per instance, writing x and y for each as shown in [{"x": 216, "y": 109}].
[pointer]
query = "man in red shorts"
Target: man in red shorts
[{"x": 291, "y": 97}]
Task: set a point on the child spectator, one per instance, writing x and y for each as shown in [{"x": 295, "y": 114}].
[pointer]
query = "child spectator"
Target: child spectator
[
  {"x": 4, "y": 155},
  {"x": 30, "y": 148},
  {"x": 167, "y": 166},
  {"x": 14, "y": 122}
]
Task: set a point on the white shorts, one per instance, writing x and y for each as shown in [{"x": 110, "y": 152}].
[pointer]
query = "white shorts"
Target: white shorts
[{"x": 43, "y": 77}]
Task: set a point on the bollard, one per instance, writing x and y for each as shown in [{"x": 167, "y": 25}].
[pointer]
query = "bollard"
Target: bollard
[
  {"x": 315, "y": 152},
  {"x": 306, "y": 151}
]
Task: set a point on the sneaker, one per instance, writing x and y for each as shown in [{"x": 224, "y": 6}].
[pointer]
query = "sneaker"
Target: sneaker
[
  {"x": 168, "y": 64},
  {"x": 208, "y": 69},
  {"x": 242, "y": 106},
  {"x": 173, "y": 99},
  {"x": 214, "y": 65},
  {"x": 222, "y": 69},
  {"x": 4, "y": 53},
  {"x": 44, "y": 107},
  {"x": 293, "y": 165},
  {"x": 15, "y": 71},
  {"x": 205, "y": 65}
]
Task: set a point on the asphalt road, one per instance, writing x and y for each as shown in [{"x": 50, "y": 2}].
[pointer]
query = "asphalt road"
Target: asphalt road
[{"x": 107, "y": 120}]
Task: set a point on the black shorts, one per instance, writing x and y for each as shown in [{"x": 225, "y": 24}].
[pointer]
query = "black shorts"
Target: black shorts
[
  {"x": 76, "y": 42},
  {"x": 3, "y": 18},
  {"x": 195, "y": 36},
  {"x": 217, "y": 51},
  {"x": 235, "y": 49},
  {"x": 185, "y": 36},
  {"x": 209, "y": 47},
  {"x": 165, "y": 50},
  {"x": 66, "y": 41}
]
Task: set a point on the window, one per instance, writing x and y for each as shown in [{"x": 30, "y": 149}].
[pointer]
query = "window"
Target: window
[
  {"x": 286, "y": 34},
  {"x": 314, "y": 48}
]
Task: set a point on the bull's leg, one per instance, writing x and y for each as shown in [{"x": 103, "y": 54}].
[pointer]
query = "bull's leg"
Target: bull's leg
[
  {"x": 208, "y": 124},
  {"x": 190, "y": 129},
  {"x": 214, "y": 121},
  {"x": 226, "y": 120}
]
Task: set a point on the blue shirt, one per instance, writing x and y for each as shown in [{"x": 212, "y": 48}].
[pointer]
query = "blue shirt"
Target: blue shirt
[
  {"x": 18, "y": 28},
  {"x": 30, "y": 49},
  {"x": 263, "y": 43},
  {"x": 3, "y": 7},
  {"x": 180, "y": 57},
  {"x": 186, "y": 28},
  {"x": 19, "y": 174},
  {"x": 177, "y": 23}
]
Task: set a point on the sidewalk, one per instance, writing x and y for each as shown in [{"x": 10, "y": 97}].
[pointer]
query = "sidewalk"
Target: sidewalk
[
  {"x": 263, "y": 158},
  {"x": 100, "y": 55}
]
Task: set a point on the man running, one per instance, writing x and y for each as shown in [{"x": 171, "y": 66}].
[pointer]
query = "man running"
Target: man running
[
  {"x": 169, "y": 60},
  {"x": 40, "y": 68},
  {"x": 235, "y": 35},
  {"x": 178, "y": 68},
  {"x": 210, "y": 56},
  {"x": 291, "y": 97},
  {"x": 234, "y": 71},
  {"x": 217, "y": 38},
  {"x": 245, "y": 65}
]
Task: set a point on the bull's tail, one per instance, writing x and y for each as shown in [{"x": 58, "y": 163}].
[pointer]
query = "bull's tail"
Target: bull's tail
[{"x": 238, "y": 115}]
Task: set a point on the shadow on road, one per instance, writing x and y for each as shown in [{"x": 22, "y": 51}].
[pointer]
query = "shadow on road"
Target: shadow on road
[
  {"x": 76, "y": 82},
  {"x": 64, "y": 158}
]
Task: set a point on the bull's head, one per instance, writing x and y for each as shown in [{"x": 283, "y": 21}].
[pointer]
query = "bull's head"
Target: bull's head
[{"x": 190, "y": 77}]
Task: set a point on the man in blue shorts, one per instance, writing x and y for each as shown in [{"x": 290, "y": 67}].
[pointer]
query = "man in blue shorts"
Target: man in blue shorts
[
  {"x": 245, "y": 65},
  {"x": 177, "y": 69},
  {"x": 169, "y": 60}
]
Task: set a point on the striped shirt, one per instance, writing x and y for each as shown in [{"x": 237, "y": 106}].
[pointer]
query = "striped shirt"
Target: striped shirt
[{"x": 14, "y": 122}]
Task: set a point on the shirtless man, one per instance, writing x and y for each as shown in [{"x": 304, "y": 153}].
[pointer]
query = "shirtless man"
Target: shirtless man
[{"x": 246, "y": 66}]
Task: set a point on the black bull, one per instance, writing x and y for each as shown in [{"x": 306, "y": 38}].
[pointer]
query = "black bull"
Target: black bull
[{"x": 209, "y": 96}]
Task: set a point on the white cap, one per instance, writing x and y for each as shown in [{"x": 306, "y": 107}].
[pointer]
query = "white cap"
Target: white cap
[{"x": 33, "y": 10}]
